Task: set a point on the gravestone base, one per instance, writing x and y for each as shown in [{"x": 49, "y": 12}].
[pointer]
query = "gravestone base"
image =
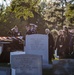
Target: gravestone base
[{"x": 63, "y": 67}]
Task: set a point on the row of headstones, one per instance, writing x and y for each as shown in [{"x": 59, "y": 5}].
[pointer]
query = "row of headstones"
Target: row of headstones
[
  {"x": 32, "y": 60},
  {"x": 23, "y": 64},
  {"x": 32, "y": 65},
  {"x": 34, "y": 57}
]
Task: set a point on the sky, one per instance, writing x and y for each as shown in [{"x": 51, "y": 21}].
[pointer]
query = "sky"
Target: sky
[{"x": 7, "y": 1}]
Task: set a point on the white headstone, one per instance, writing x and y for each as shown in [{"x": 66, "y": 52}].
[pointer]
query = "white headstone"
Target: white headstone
[
  {"x": 26, "y": 64},
  {"x": 37, "y": 44}
]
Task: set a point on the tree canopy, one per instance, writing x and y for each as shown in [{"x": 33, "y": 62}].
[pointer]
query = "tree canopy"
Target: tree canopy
[
  {"x": 70, "y": 12},
  {"x": 24, "y": 8},
  {"x": 45, "y": 14}
]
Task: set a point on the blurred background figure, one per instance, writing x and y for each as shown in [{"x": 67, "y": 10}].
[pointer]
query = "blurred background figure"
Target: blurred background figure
[
  {"x": 31, "y": 29},
  {"x": 28, "y": 30},
  {"x": 50, "y": 45},
  {"x": 59, "y": 46},
  {"x": 67, "y": 38},
  {"x": 14, "y": 31}
]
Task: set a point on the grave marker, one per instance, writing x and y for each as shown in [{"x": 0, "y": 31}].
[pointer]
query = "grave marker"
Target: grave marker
[
  {"x": 26, "y": 64},
  {"x": 37, "y": 44}
]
